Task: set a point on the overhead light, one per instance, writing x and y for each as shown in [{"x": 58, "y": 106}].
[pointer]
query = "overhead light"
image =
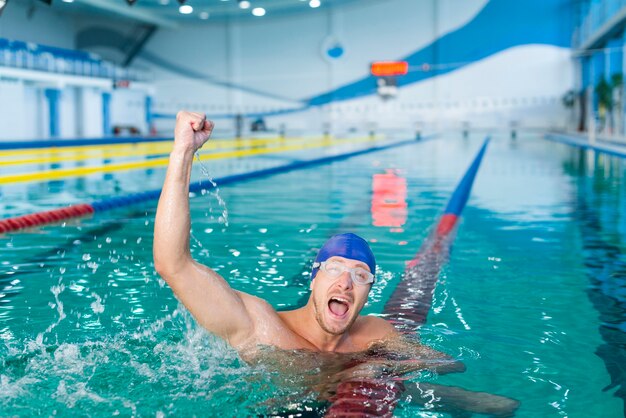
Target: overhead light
[
  {"x": 3, "y": 4},
  {"x": 204, "y": 15},
  {"x": 244, "y": 4},
  {"x": 315, "y": 3},
  {"x": 258, "y": 11},
  {"x": 185, "y": 9},
  {"x": 72, "y": 1}
]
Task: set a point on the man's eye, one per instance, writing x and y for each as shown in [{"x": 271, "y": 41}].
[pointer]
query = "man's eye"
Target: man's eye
[
  {"x": 333, "y": 268},
  {"x": 362, "y": 275}
]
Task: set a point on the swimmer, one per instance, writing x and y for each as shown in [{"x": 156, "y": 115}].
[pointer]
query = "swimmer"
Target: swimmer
[
  {"x": 342, "y": 276},
  {"x": 330, "y": 323}
]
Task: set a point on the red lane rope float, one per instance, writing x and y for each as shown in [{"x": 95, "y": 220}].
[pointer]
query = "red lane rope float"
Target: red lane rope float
[
  {"x": 42, "y": 218},
  {"x": 365, "y": 398}
]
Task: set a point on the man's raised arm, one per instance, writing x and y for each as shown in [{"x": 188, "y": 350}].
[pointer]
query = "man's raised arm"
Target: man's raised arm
[{"x": 204, "y": 293}]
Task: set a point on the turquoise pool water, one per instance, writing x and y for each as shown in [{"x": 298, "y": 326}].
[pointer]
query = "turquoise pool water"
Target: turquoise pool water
[{"x": 532, "y": 299}]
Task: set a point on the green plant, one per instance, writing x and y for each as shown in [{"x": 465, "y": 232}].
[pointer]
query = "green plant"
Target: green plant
[
  {"x": 569, "y": 99},
  {"x": 617, "y": 80},
  {"x": 604, "y": 93}
]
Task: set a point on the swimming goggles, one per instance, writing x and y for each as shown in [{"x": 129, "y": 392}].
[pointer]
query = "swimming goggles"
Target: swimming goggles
[{"x": 334, "y": 269}]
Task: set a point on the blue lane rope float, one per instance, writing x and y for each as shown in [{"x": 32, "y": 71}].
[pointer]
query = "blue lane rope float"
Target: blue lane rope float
[
  {"x": 62, "y": 143},
  {"x": 75, "y": 211}
]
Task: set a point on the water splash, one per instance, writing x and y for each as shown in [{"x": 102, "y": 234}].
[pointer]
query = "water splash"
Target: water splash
[
  {"x": 56, "y": 291},
  {"x": 215, "y": 192}
]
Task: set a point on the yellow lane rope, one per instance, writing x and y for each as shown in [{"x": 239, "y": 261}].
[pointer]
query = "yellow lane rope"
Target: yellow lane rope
[
  {"x": 157, "y": 162},
  {"x": 215, "y": 143},
  {"x": 134, "y": 150}
]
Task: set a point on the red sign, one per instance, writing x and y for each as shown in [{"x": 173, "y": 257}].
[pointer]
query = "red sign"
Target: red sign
[
  {"x": 389, "y": 68},
  {"x": 122, "y": 84}
]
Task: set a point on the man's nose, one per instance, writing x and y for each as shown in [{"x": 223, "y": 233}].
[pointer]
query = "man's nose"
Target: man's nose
[{"x": 345, "y": 280}]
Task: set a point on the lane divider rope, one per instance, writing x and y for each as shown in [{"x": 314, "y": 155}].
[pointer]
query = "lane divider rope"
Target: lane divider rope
[
  {"x": 407, "y": 307},
  {"x": 61, "y": 173},
  {"x": 422, "y": 272},
  {"x": 44, "y": 154},
  {"x": 79, "y": 210}
]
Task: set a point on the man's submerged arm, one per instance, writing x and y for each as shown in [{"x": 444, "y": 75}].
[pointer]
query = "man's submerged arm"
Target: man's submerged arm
[
  {"x": 405, "y": 355},
  {"x": 209, "y": 298}
]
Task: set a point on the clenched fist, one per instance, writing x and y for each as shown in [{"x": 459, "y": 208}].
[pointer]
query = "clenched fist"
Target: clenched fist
[{"x": 192, "y": 130}]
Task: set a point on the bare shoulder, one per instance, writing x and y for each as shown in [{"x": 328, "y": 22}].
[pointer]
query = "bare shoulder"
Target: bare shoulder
[
  {"x": 256, "y": 305},
  {"x": 373, "y": 328},
  {"x": 272, "y": 327}
]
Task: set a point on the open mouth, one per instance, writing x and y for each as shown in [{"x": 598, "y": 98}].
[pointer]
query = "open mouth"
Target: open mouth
[{"x": 338, "y": 306}]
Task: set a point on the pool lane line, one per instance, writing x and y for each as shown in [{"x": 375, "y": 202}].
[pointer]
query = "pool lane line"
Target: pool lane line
[
  {"x": 408, "y": 305},
  {"x": 100, "y": 149},
  {"x": 61, "y": 173},
  {"x": 150, "y": 151},
  {"x": 57, "y": 174},
  {"x": 584, "y": 144},
  {"x": 79, "y": 210},
  {"x": 47, "y": 143}
]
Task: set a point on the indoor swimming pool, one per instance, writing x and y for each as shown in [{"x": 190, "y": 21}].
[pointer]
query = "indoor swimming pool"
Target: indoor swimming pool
[{"x": 532, "y": 300}]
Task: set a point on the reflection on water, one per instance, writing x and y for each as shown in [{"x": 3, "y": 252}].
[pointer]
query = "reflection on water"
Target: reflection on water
[{"x": 599, "y": 209}]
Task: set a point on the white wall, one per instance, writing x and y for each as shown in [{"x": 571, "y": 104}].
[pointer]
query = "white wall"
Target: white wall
[
  {"x": 67, "y": 113},
  {"x": 283, "y": 56},
  {"x": 128, "y": 108},
  {"x": 33, "y": 21},
  {"x": 13, "y": 120},
  {"x": 89, "y": 113}
]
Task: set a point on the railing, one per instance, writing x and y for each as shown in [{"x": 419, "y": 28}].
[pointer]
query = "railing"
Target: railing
[
  {"x": 598, "y": 15},
  {"x": 30, "y": 56}
]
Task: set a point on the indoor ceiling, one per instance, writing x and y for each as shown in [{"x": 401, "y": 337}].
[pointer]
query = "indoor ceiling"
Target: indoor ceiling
[{"x": 168, "y": 13}]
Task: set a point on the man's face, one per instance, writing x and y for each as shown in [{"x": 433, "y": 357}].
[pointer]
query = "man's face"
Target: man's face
[{"x": 338, "y": 300}]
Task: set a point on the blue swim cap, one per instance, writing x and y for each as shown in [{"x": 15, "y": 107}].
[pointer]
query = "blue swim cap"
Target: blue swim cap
[{"x": 348, "y": 246}]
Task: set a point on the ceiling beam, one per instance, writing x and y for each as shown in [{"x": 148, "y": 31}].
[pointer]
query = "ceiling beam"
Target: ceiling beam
[
  {"x": 138, "y": 45},
  {"x": 131, "y": 12}
]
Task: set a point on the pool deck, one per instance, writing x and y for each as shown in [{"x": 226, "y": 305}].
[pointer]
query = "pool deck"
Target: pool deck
[{"x": 615, "y": 146}]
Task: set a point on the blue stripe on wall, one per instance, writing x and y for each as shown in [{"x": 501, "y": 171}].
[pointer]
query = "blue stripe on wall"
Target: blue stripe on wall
[
  {"x": 53, "y": 96},
  {"x": 106, "y": 114},
  {"x": 500, "y": 25}
]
